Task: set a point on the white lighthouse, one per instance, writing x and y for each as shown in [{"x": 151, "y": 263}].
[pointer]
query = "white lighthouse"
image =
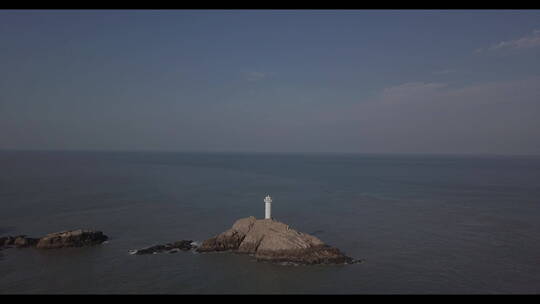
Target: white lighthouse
[{"x": 268, "y": 207}]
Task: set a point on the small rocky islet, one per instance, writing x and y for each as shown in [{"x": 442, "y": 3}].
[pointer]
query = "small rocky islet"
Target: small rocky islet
[
  {"x": 63, "y": 239},
  {"x": 267, "y": 240}
]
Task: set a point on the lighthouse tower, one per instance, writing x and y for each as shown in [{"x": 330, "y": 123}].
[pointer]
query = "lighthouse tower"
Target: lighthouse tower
[{"x": 268, "y": 207}]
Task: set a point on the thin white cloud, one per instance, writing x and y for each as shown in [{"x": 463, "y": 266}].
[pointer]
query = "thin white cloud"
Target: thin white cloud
[
  {"x": 405, "y": 91},
  {"x": 530, "y": 41},
  {"x": 495, "y": 117},
  {"x": 444, "y": 72},
  {"x": 254, "y": 76}
]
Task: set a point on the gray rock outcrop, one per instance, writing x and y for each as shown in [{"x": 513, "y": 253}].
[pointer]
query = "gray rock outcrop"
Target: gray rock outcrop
[
  {"x": 72, "y": 238},
  {"x": 184, "y": 245}
]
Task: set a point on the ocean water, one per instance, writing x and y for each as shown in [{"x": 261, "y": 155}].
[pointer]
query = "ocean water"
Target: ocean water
[{"x": 421, "y": 224}]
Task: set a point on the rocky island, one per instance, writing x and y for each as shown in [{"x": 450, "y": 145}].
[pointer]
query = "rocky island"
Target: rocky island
[
  {"x": 266, "y": 239},
  {"x": 71, "y": 238},
  {"x": 272, "y": 241}
]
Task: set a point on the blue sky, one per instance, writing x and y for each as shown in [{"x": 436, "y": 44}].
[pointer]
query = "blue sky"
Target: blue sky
[{"x": 271, "y": 81}]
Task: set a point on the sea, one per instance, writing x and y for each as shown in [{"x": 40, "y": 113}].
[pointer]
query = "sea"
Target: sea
[{"x": 421, "y": 224}]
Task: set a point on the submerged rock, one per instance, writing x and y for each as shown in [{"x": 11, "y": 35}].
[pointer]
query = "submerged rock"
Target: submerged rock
[
  {"x": 23, "y": 241},
  {"x": 19, "y": 241},
  {"x": 273, "y": 241},
  {"x": 72, "y": 238},
  {"x": 175, "y": 247},
  {"x": 6, "y": 241}
]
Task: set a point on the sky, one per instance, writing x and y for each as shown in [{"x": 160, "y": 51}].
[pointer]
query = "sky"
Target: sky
[{"x": 358, "y": 81}]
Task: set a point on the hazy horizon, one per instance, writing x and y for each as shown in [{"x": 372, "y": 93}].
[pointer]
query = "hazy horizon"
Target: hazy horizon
[
  {"x": 442, "y": 154},
  {"x": 447, "y": 82}
]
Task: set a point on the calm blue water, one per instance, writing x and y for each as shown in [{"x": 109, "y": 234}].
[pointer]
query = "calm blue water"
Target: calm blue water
[{"x": 423, "y": 224}]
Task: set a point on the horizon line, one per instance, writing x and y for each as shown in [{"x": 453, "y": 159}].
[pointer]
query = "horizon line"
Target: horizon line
[{"x": 273, "y": 152}]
